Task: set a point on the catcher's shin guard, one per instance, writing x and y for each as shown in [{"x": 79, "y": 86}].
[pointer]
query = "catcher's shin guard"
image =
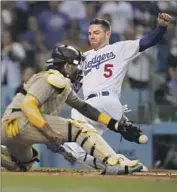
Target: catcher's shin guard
[
  {"x": 12, "y": 164},
  {"x": 90, "y": 140}
]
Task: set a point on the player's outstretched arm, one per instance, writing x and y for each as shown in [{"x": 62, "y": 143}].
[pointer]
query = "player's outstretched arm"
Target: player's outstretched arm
[
  {"x": 156, "y": 35},
  {"x": 30, "y": 107},
  {"x": 91, "y": 112},
  {"x": 36, "y": 95},
  {"x": 129, "y": 131}
]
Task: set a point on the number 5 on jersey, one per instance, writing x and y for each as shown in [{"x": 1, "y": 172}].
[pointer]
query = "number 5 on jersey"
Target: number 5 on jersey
[{"x": 108, "y": 70}]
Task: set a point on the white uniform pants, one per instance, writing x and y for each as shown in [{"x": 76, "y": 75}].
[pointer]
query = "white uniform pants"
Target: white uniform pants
[{"x": 107, "y": 104}]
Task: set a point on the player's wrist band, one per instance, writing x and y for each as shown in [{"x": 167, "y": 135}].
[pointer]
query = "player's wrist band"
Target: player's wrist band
[
  {"x": 103, "y": 118},
  {"x": 111, "y": 124}
]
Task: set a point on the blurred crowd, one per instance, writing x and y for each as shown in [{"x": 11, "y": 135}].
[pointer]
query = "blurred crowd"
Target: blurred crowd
[{"x": 31, "y": 29}]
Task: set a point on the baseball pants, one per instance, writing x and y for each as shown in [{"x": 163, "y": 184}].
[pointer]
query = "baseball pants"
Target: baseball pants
[
  {"x": 108, "y": 104},
  {"x": 20, "y": 147}
]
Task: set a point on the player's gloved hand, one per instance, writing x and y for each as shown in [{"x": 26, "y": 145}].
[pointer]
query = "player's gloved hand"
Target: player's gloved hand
[
  {"x": 131, "y": 132},
  {"x": 128, "y": 131},
  {"x": 52, "y": 135}
]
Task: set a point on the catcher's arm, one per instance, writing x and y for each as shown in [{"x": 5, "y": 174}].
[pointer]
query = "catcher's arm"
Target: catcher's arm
[
  {"x": 30, "y": 107},
  {"x": 91, "y": 112},
  {"x": 37, "y": 94},
  {"x": 129, "y": 131},
  {"x": 41, "y": 90}
]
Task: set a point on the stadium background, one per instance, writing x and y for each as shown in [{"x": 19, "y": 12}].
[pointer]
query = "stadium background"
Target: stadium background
[{"x": 29, "y": 31}]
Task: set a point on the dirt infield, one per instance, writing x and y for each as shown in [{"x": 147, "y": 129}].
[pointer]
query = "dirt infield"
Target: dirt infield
[{"x": 152, "y": 174}]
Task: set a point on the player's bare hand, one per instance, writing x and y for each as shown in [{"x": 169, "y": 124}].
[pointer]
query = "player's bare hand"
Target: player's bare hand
[
  {"x": 164, "y": 19},
  {"x": 52, "y": 135}
]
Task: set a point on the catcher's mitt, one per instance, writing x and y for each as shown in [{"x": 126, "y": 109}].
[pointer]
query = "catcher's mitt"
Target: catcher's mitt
[{"x": 131, "y": 132}]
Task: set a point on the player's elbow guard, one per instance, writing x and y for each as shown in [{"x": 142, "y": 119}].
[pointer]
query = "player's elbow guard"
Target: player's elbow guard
[{"x": 30, "y": 107}]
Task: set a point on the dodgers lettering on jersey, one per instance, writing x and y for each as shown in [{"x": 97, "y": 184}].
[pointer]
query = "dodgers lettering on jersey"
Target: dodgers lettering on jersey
[
  {"x": 96, "y": 61},
  {"x": 105, "y": 69}
]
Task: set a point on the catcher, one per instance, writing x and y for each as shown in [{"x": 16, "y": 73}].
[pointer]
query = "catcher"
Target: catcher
[{"x": 31, "y": 118}]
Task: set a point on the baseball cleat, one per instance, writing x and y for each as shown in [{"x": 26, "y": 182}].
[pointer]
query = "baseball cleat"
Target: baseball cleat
[
  {"x": 57, "y": 148},
  {"x": 144, "y": 169},
  {"x": 118, "y": 170},
  {"x": 137, "y": 168},
  {"x": 128, "y": 163}
]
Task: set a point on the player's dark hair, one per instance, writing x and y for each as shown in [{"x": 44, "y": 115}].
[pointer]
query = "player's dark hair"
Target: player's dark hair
[{"x": 103, "y": 22}]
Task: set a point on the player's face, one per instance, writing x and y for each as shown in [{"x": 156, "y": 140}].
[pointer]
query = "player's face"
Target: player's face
[{"x": 97, "y": 36}]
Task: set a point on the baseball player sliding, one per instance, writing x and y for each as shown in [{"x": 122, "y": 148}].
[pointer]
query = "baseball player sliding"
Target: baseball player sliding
[
  {"x": 31, "y": 118},
  {"x": 104, "y": 69}
]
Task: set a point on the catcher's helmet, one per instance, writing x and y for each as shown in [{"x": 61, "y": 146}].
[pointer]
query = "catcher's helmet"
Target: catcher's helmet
[{"x": 66, "y": 54}]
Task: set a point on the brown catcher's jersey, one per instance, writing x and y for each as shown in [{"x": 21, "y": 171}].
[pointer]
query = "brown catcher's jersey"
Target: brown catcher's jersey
[{"x": 50, "y": 88}]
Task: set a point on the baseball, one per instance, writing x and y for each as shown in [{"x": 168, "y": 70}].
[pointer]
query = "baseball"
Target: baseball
[{"x": 143, "y": 139}]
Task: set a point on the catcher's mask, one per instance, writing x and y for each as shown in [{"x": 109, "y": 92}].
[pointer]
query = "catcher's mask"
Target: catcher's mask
[{"x": 68, "y": 57}]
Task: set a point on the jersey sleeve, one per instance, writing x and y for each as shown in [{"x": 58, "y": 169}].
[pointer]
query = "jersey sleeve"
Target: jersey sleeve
[
  {"x": 84, "y": 108},
  {"x": 41, "y": 90},
  {"x": 129, "y": 49},
  {"x": 73, "y": 100}
]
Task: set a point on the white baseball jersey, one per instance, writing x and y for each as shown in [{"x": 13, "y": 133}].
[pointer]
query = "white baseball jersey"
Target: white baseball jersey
[{"x": 105, "y": 69}]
